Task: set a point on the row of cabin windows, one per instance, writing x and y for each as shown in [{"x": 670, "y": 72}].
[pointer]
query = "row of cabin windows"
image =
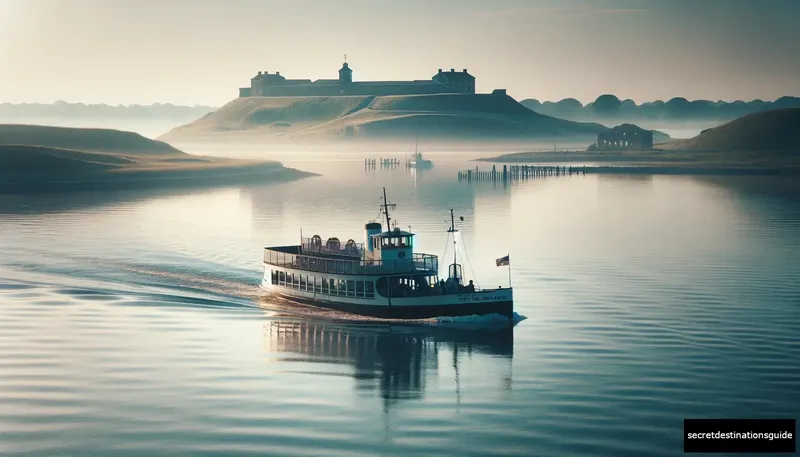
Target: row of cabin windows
[
  {"x": 397, "y": 241},
  {"x": 327, "y": 286}
]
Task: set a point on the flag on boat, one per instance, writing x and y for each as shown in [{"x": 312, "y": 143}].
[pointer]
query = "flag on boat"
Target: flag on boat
[{"x": 502, "y": 261}]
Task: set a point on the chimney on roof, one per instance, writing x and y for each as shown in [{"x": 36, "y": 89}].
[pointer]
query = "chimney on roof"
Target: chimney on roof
[
  {"x": 278, "y": 73},
  {"x": 452, "y": 70},
  {"x": 440, "y": 70},
  {"x": 259, "y": 73},
  {"x": 465, "y": 70},
  {"x": 266, "y": 72}
]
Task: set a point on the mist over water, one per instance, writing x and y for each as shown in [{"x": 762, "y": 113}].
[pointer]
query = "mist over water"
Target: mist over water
[{"x": 131, "y": 322}]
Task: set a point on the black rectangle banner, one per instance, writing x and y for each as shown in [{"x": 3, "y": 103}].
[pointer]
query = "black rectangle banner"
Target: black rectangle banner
[{"x": 739, "y": 435}]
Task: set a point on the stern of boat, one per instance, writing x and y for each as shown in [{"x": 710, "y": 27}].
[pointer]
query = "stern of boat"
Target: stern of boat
[{"x": 494, "y": 301}]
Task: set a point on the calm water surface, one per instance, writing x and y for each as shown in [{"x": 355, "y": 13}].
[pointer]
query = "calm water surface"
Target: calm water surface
[{"x": 131, "y": 322}]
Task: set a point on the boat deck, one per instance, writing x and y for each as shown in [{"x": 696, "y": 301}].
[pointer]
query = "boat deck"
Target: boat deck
[{"x": 296, "y": 257}]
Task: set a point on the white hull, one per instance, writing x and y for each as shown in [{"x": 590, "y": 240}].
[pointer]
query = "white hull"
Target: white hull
[{"x": 497, "y": 301}]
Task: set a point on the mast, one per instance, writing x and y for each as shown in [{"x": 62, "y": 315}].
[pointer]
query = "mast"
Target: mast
[
  {"x": 416, "y": 144},
  {"x": 453, "y": 230},
  {"x": 385, "y": 206}
]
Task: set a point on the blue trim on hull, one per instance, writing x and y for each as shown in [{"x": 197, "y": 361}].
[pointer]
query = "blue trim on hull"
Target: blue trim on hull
[{"x": 503, "y": 308}]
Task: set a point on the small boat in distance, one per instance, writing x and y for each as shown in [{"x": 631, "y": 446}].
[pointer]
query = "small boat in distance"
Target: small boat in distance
[
  {"x": 416, "y": 160},
  {"x": 382, "y": 277}
]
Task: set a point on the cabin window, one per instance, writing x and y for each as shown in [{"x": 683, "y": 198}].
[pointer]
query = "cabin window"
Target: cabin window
[
  {"x": 302, "y": 282},
  {"x": 341, "y": 287},
  {"x": 282, "y": 278},
  {"x": 317, "y": 285},
  {"x": 404, "y": 286},
  {"x": 359, "y": 288},
  {"x": 351, "y": 288},
  {"x": 274, "y": 276},
  {"x": 325, "y": 289},
  {"x": 369, "y": 289},
  {"x": 295, "y": 281}
]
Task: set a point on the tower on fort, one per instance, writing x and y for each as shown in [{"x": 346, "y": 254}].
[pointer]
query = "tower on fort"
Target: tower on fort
[{"x": 345, "y": 73}]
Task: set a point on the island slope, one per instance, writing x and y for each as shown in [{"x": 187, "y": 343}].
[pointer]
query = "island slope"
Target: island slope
[
  {"x": 41, "y": 157},
  {"x": 436, "y": 117},
  {"x": 774, "y": 130},
  {"x": 765, "y": 141}
]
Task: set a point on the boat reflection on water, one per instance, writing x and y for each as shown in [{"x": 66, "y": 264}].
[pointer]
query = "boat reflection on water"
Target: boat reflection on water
[{"x": 396, "y": 359}]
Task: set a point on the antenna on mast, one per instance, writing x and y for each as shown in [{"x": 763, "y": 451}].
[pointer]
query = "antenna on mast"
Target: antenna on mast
[{"x": 453, "y": 230}]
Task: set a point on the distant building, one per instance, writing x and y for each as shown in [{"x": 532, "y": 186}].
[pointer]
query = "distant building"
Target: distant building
[
  {"x": 625, "y": 136},
  {"x": 266, "y": 84}
]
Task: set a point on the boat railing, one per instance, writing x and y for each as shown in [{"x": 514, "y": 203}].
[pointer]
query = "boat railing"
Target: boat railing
[
  {"x": 419, "y": 263},
  {"x": 333, "y": 246}
]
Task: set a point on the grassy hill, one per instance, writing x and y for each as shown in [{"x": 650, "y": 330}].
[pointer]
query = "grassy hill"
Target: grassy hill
[
  {"x": 99, "y": 140},
  {"x": 441, "y": 116},
  {"x": 20, "y": 162},
  {"x": 41, "y": 156},
  {"x": 760, "y": 142},
  {"x": 774, "y": 130}
]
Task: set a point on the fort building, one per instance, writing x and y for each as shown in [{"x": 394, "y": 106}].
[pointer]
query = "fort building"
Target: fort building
[
  {"x": 625, "y": 136},
  {"x": 266, "y": 84}
]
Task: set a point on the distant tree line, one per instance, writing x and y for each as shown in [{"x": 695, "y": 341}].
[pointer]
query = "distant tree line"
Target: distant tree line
[
  {"x": 610, "y": 106},
  {"x": 61, "y": 108}
]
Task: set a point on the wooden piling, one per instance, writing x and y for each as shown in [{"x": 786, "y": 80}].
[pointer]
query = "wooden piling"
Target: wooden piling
[{"x": 511, "y": 173}]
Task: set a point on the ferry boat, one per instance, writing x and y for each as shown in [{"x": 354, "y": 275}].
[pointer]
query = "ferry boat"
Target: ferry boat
[{"x": 382, "y": 277}]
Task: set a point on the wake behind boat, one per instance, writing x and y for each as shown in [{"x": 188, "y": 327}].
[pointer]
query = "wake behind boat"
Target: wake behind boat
[{"x": 382, "y": 277}]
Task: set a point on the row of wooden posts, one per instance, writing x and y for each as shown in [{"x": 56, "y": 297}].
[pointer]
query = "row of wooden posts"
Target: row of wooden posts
[
  {"x": 519, "y": 172},
  {"x": 372, "y": 163}
]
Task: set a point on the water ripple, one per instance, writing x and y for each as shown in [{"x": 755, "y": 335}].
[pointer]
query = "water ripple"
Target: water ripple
[{"x": 142, "y": 331}]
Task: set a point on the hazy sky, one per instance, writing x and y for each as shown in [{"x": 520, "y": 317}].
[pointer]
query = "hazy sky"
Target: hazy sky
[{"x": 201, "y": 51}]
